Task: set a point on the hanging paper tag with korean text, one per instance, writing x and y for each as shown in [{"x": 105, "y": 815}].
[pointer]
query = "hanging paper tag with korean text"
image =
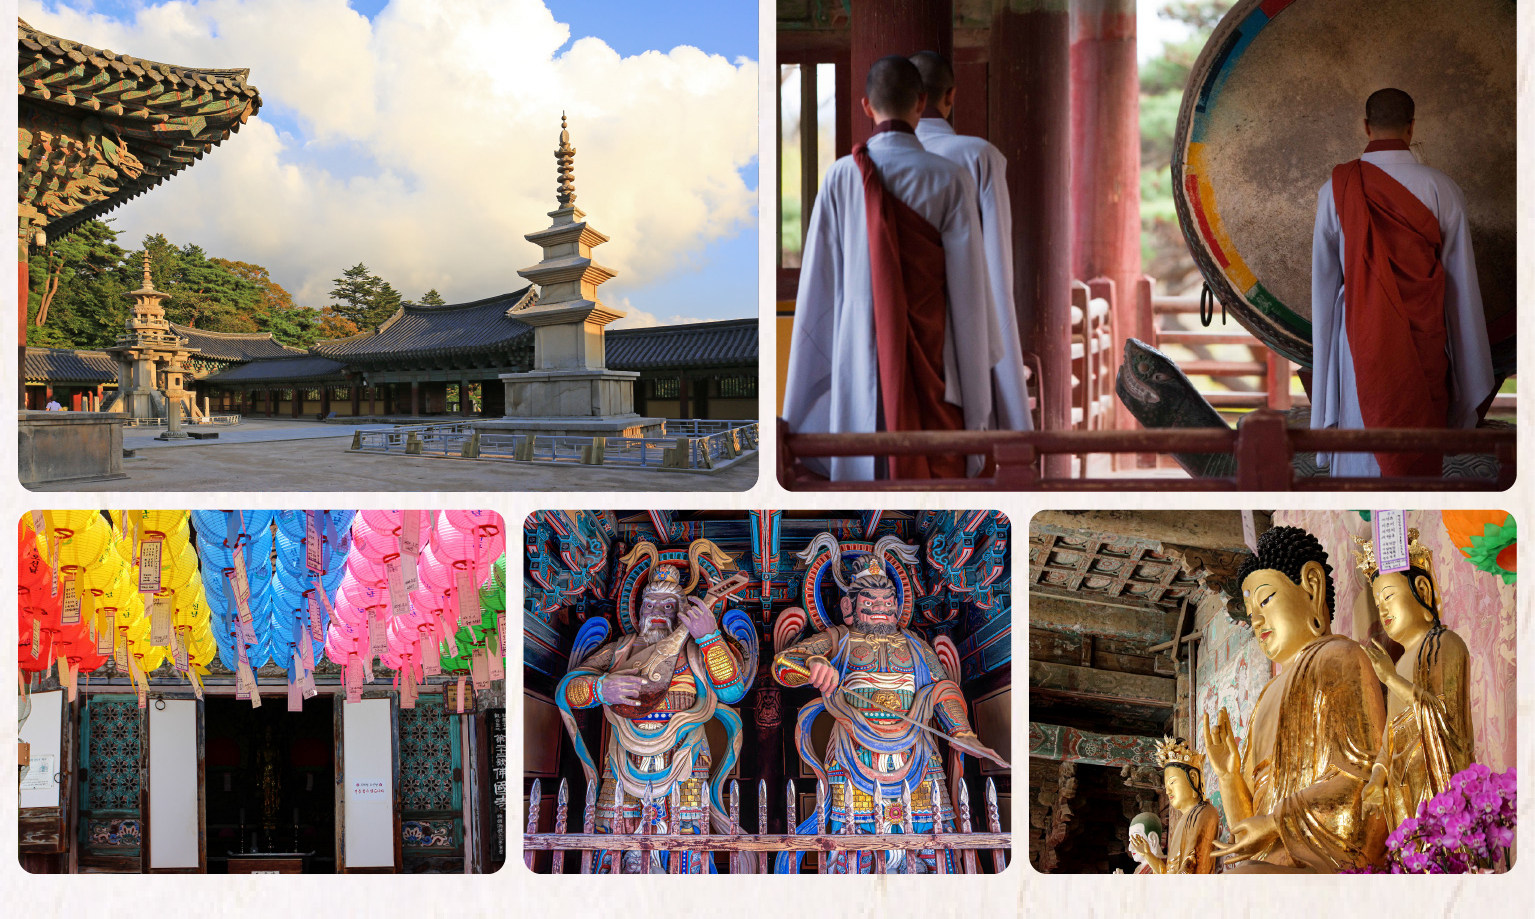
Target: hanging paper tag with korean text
[
  {"x": 295, "y": 700},
  {"x": 160, "y": 622},
  {"x": 106, "y": 633},
  {"x": 71, "y": 613},
  {"x": 39, "y": 526},
  {"x": 180, "y": 650},
  {"x": 316, "y": 630},
  {"x": 149, "y": 564},
  {"x": 378, "y": 635},
  {"x": 479, "y": 669},
  {"x": 37, "y": 638},
  {"x": 399, "y": 598},
  {"x": 460, "y": 705},
  {"x": 354, "y": 690},
  {"x": 431, "y": 655},
  {"x": 410, "y": 547},
  {"x": 1390, "y": 541},
  {"x": 468, "y": 597},
  {"x": 495, "y": 660},
  {"x": 314, "y": 556}
]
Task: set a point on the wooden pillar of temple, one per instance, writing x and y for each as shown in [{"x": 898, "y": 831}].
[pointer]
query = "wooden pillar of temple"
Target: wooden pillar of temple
[
  {"x": 465, "y": 404},
  {"x": 269, "y": 409},
  {"x": 901, "y": 27},
  {"x": 356, "y": 387},
  {"x": 415, "y": 398},
  {"x": 324, "y": 400},
  {"x": 297, "y": 407},
  {"x": 1106, "y": 154},
  {"x": 388, "y": 394},
  {"x": 682, "y": 394},
  {"x": 1030, "y": 102},
  {"x": 767, "y": 722}
]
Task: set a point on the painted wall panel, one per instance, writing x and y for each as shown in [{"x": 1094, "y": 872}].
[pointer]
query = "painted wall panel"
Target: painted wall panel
[{"x": 173, "y": 816}]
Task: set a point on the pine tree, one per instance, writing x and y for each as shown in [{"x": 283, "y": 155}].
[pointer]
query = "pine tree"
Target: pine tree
[
  {"x": 363, "y": 298},
  {"x": 433, "y": 298}
]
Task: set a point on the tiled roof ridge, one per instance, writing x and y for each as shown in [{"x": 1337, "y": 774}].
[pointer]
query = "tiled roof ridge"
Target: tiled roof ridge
[
  {"x": 226, "y": 79},
  {"x": 94, "y": 352},
  {"x": 686, "y": 326},
  {"x": 250, "y": 336}
]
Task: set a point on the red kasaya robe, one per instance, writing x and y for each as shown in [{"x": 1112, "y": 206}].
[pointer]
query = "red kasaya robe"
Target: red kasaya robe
[
  {"x": 1393, "y": 295},
  {"x": 910, "y": 313}
]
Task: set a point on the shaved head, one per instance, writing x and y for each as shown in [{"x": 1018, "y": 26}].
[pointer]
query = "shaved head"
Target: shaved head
[
  {"x": 937, "y": 73},
  {"x": 1388, "y": 110},
  {"x": 894, "y": 86}
]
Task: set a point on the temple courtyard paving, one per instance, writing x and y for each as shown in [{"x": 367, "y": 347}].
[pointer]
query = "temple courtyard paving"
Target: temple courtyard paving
[{"x": 274, "y": 455}]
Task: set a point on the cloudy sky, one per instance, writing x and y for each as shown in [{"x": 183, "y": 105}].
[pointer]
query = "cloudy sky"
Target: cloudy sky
[{"x": 417, "y": 136}]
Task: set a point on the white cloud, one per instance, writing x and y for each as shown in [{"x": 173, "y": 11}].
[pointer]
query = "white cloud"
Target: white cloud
[
  {"x": 458, "y": 112},
  {"x": 635, "y": 318}
]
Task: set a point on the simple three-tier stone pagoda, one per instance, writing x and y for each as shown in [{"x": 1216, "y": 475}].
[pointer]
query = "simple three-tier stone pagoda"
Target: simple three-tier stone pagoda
[{"x": 570, "y": 389}]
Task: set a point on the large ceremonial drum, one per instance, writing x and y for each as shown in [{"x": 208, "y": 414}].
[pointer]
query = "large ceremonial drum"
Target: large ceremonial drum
[{"x": 1276, "y": 100}]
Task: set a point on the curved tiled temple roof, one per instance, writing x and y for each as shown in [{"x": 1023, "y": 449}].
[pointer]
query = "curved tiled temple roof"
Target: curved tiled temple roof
[
  {"x": 114, "y": 126},
  {"x": 727, "y": 343},
  {"x": 234, "y": 346},
  {"x": 465, "y": 329},
  {"x": 308, "y": 368},
  {"x": 67, "y": 365}
]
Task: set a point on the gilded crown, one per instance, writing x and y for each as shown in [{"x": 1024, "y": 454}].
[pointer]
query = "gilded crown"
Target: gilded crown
[
  {"x": 1418, "y": 555},
  {"x": 1170, "y": 750},
  {"x": 869, "y": 564}
]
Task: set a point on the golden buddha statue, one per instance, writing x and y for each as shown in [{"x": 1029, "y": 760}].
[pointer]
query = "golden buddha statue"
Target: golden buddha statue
[
  {"x": 1194, "y": 822},
  {"x": 1428, "y": 734},
  {"x": 1291, "y": 791}
]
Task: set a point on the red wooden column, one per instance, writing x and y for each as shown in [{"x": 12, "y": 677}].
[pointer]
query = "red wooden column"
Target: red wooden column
[
  {"x": 324, "y": 400},
  {"x": 415, "y": 397},
  {"x": 1030, "y": 102},
  {"x": 901, "y": 27},
  {"x": 1106, "y": 157},
  {"x": 465, "y": 404},
  {"x": 356, "y": 386}
]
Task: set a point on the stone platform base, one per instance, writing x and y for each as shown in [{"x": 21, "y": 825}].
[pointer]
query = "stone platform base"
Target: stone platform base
[
  {"x": 630, "y": 425},
  {"x": 69, "y": 447}
]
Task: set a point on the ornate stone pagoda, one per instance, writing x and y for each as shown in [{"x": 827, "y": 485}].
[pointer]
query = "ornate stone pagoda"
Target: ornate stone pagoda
[
  {"x": 152, "y": 360},
  {"x": 570, "y": 389}
]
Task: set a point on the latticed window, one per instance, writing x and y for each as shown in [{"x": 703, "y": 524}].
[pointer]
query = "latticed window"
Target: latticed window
[
  {"x": 665, "y": 388},
  {"x": 112, "y": 750},
  {"x": 740, "y": 387},
  {"x": 430, "y": 797}
]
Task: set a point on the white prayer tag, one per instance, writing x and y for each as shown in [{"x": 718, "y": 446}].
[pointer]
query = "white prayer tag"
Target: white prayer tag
[
  {"x": 182, "y": 661},
  {"x": 431, "y": 656},
  {"x": 353, "y": 691},
  {"x": 495, "y": 659},
  {"x": 460, "y": 707},
  {"x": 479, "y": 669},
  {"x": 160, "y": 622},
  {"x": 378, "y": 635},
  {"x": 316, "y": 630},
  {"x": 71, "y": 614},
  {"x": 410, "y": 532},
  {"x": 468, "y": 597},
  {"x": 295, "y": 698},
  {"x": 306, "y": 685},
  {"x": 149, "y": 564},
  {"x": 38, "y": 524},
  {"x": 242, "y": 584},
  {"x": 412, "y": 576},
  {"x": 105, "y": 633},
  {"x": 1390, "y": 541},
  {"x": 399, "y": 599},
  {"x": 313, "y": 553}
]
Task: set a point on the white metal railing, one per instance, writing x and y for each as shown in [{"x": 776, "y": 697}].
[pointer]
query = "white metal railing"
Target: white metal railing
[{"x": 686, "y": 444}]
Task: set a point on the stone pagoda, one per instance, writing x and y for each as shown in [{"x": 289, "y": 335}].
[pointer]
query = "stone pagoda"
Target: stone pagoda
[
  {"x": 570, "y": 390},
  {"x": 151, "y": 360}
]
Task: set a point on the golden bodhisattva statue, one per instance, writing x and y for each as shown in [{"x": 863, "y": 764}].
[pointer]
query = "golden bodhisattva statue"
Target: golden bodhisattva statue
[
  {"x": 1195, "y": 823},
  {"x": 1428, "y": 700},
  {"x": 1291, "y": 791}
]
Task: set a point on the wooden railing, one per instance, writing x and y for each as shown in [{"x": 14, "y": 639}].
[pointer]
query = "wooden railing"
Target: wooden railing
[
  {"x": 1267, "y": 371},
  {"x": 1262, "y": 444},
  {"x": 696, "y": 849}
]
